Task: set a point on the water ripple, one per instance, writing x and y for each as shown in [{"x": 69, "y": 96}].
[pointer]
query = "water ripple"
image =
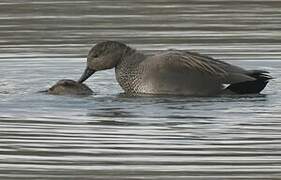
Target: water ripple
[{"x": 114, "y": 136}]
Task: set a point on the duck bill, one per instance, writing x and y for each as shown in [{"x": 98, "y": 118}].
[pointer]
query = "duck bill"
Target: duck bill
[{"x": 87, "y": 73}]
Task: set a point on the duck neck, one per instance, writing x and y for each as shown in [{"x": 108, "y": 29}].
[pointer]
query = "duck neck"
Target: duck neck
[
  {"x": 127, "y": 60},
  {"x": 127, "y": 52},
  {"x": 128, "y": 71}
]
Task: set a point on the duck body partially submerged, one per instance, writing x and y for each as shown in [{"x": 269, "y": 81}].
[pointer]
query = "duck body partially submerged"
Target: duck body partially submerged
[
  {"x": 70, "y": 88},
  {"x": 174, "y": 72}
]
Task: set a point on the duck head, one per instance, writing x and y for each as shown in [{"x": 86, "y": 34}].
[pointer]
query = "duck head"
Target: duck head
[
  {"x": 102, "y": 56},
  {"x": 69, "y": 87}
]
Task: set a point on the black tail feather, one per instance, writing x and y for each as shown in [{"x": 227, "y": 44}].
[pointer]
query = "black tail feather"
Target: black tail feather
[{"x": 251, "y": 87}]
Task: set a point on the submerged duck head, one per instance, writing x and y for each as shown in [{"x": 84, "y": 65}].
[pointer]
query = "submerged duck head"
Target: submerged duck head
[
  {"x": 69, "y": 87},
  {"x": 104, "y": 55}
]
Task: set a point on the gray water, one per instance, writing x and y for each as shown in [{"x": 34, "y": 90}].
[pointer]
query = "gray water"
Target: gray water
[{"x": 113, "y": 136}]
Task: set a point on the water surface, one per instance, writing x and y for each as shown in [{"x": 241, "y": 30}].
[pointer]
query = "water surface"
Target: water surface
[{"x": 112, "y": 136}]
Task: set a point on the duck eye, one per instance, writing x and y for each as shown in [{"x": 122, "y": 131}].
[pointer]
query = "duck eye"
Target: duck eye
[{"x": 95, "y": 56}]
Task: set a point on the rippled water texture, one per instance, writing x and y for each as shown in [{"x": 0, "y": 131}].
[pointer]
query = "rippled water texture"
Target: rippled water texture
[{"x": 112, "y": 136}]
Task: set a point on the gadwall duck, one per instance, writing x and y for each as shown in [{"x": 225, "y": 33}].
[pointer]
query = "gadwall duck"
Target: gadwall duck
[
  {"x": 69, "y": 87},
  {"x": 174, "y": 72}
]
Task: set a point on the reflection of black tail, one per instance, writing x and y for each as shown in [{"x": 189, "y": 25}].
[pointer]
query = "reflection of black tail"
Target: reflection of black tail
[{"x": 251, "y": 87}]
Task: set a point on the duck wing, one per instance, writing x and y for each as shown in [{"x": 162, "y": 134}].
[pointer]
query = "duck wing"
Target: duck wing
[
  {"x": 188, "y": 73},
  {"x": 237, "y": 77},
  {"x": 204, "y": 65},
  {"x": 231, "y": 74}
]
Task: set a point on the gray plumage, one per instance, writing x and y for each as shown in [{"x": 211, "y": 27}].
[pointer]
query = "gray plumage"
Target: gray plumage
[{"x": 172, "y": 72}]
